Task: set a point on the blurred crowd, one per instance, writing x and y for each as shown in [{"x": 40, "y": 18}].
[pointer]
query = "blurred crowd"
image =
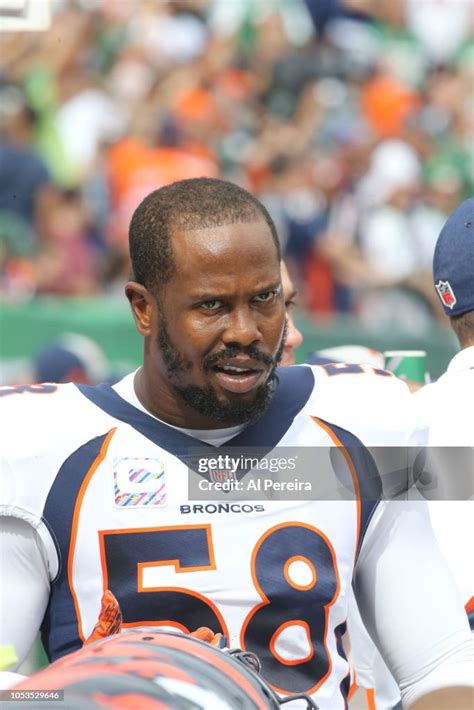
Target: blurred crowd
[{"x": 352, "y": 120}]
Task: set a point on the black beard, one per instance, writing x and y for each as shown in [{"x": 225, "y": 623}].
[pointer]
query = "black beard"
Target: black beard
[{"x": 204, "y": 399}]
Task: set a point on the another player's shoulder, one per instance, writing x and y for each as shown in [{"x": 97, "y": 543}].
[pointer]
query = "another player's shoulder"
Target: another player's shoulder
[
  {"x": 350, "y": 371},
  {"x": 369, "y": 401},
  {"x": 346, "y": 376},
  {"x": 441, "y": 410},
  {"x": 450, "y": 392},
  {"x": 343, "y": 376}
]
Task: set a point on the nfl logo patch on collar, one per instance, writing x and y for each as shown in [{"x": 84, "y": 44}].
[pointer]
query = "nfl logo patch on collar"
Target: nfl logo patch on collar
[
  {"x": 446, "y": 294},
  {"x": 139, "y": 483}
]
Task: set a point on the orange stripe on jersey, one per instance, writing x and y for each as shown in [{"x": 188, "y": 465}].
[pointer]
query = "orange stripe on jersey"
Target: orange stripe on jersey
[
  {"x": 470, "y": 606},
  {"x": 353, "y": 687},
  {"x": 75, "y": 522},
  {"x": 370, "y": 697},
  {"x": 352, "y": 470}
]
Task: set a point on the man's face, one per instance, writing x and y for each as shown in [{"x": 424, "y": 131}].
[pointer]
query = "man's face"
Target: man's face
[
  {"x": 220, "y": 322},
  {"x": 293, "y": 337}
]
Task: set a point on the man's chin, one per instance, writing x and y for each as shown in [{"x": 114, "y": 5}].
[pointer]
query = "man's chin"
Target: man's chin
[{"x": 228, "y": 408}]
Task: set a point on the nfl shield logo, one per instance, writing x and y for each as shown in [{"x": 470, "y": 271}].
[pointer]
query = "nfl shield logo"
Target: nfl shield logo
[
  {"x": 446, "y": 293},
  {"x": 221, "y": 475}
]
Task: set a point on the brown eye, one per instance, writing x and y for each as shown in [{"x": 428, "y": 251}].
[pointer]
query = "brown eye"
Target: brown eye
[
  {"x": 265, "y": 297},
  {"x": 211, "y": 305}
]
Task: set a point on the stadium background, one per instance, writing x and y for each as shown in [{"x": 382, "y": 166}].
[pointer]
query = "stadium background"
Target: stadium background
[{"x": 352, "y": 120}]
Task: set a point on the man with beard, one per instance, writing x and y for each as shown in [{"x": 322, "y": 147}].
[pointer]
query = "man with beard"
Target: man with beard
[{"x": 96, "y": 490}]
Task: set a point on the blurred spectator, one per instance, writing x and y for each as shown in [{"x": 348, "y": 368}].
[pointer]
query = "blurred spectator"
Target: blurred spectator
[
  {"x": 388, "y": 260},
  {"x": 86, "y": 119},
  {"x": 294, "y": 338},
  {"x": 324, "y": 12},
  {"x": 387, "y": 104},
  {"x": 429, "y": 22},
  {"x": 68, "y": 259},
  {"x": 71, "y": 358},
  {"x": 144, "y": 162},
  {"x": 295, "y": 99},
  {"x": 443, "y": 192},
  {"x": 24, "y": 177},
  {"x": 26, "y": 192},
  {"x": 388, "y": 243}
]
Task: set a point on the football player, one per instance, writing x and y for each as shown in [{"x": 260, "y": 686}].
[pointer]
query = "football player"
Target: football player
[
  {"x": 442, "y": 423},
  {"x": 442, "y": 405},
  {"x": 98, "y": 481}
]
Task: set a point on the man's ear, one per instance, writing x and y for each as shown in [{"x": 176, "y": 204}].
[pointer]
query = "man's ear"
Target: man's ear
[{"x": 143, "y": 306}]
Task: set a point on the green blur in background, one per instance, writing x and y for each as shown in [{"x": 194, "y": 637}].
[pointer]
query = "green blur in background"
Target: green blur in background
[{"x": 26, "y": 327}]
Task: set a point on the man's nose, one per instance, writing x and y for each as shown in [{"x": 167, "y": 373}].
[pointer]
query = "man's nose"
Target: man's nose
[{"x": 241, "y": 328}]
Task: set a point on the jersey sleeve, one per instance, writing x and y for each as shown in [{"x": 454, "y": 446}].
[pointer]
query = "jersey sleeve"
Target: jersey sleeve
[
  {"x": 24, "y": 591},
  {"x": 42, "y": 425},
  {"x": 441, "y": 411},
  {"x": 401, "y": 584}
]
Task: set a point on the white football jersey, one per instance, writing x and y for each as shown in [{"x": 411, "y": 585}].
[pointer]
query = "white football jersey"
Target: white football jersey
[
  {"x": 442, "y": 421},
  {"x": 445, "y": 420},
  {"x": 106, "y": 487}
]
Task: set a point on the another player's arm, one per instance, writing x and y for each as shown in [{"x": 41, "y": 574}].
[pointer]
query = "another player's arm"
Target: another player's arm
[
  {"x": 448, "y": 699},
  {"x": 24, "y": 591},
  {"x": 401, "y": 583},
  {"x": 26, "y": 566}
]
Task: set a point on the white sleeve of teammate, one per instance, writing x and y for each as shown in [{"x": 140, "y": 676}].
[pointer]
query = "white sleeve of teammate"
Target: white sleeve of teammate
[
  {"x": 24, "y": 591},
  {"x": 410, "y": 603}
]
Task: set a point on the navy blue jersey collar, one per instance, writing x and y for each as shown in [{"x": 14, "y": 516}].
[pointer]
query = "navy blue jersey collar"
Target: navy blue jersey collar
[{"x": 293, "y": 388}]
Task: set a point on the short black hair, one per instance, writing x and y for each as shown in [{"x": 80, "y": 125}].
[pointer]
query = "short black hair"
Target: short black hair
[
  {"x": 197, "y": 203},
  {"x": 463, "y": 326}
]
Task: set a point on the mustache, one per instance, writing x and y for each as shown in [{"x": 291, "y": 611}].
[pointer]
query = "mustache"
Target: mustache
[{"x": 232, "y": 352}]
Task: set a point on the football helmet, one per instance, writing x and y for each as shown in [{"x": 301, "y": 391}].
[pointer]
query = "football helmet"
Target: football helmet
[{"x": 156, "y": 671}]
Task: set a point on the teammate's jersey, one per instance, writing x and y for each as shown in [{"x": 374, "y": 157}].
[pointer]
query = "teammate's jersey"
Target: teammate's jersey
[
  {"x": 106, "y": 487},
  {"x": 445, "y": 420},
  {"x": 442, "y": 421}
]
